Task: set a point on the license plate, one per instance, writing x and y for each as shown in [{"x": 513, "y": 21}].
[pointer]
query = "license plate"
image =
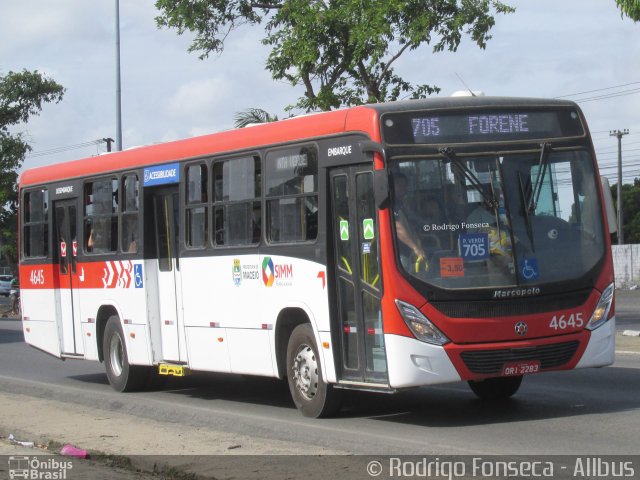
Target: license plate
[{"x": 520, "y": 368}]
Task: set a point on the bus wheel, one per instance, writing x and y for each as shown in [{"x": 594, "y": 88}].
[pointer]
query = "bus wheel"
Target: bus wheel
[
  {"x": 311, "y": 394},
  {"x": 496, "y": 388},
  {"x": 122, "y": 376}
]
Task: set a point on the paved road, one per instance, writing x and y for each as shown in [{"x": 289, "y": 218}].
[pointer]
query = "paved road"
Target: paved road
[
  {"x": 628, "y": 310},
  {"x": 592, "y": 411}
]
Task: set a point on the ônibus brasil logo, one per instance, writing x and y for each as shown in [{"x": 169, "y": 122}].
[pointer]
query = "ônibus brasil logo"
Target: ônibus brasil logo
[{"x": 271, "y": 273}]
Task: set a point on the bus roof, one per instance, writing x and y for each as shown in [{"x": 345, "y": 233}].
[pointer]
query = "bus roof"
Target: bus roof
[
  {"x": 362, "y": 119},
  {"x": 323, "y": 124}
]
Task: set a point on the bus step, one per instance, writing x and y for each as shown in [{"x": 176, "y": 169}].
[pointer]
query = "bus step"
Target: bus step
[
  {"x": 172, "y": 370},
  {"x": 364, "y": 386}
]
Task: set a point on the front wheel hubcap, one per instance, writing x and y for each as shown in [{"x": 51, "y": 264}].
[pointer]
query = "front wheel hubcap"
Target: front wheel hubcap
[
  {"x": 116, "y": 355},
  {"x": 305, "y": 372}
]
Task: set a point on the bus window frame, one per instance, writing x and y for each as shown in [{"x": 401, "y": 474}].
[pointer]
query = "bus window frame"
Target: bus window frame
[
  {"x": 213, "y": 204},
  {"x": 185, "y": 206},
  {"x": 266, "y": 199},
  {"x": 123, "y": 212},
  {"x": 45, "y": 223}
]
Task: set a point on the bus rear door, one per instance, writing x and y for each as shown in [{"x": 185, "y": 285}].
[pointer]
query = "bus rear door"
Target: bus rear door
[
  {"x": 166, "y": 215},
  {"x": 65, "y": 276}
]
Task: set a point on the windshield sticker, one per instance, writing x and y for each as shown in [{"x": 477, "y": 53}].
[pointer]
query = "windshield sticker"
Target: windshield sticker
[
  {"x": 366, "y": 248},
  {"x": 344, "y": 230},
  {"x": 474, "y": 246},
  {"x": 368, "y": 229},
  {"x": 451, "y": 267},
  {"x": 529, "y": 269}
]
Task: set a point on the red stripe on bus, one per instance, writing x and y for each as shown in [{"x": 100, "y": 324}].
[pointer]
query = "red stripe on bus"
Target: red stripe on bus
[{"x": 111, "y": 274}]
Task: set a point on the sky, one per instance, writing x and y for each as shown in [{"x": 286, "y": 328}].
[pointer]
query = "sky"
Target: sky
[{"x": 582, "y": 50}]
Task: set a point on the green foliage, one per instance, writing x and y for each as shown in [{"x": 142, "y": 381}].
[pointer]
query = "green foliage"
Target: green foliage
[
  {"x": 630, "y": 8},
  {"x": 253, "y": 115},
  {"x": 22, "y": 95},
  {"x": 342, "y": 52},
  {"x": 630, "y": 210}
]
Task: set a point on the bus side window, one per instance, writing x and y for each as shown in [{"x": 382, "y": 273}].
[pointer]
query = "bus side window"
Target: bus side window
[
  {"x": 35, "y": 227},
  {"x": 196, "y": 206},
  {"x": 292, "y": 194},
  {"x": 101, "y": 216},
  {"x": 236, "y": 201},
  {"x": 130, "y": 190}
]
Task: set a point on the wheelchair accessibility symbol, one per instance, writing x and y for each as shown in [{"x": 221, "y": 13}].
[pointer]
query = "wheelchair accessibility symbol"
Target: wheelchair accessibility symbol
[
  {"x": 137, "y": 275},
  {"x": 529, "y": 269}
]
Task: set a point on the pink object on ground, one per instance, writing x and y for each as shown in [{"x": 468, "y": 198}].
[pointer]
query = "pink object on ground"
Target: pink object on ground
[{"x": 70, "y": 451}]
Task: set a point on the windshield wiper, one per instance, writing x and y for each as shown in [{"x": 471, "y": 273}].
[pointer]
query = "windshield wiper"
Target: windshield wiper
[
  {"x": 526, "y": 213},
  {"x": 543, "y": 164},
  {"x": 489, "y": 199}
]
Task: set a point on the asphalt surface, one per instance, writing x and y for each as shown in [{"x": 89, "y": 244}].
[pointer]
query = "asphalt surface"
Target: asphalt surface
[
  {"x": 628, "y": 310},
  {"x": 581, "y": 412}
]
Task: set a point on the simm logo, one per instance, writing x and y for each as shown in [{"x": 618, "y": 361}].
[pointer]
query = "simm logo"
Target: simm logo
[{"x": 278, "y": 274}]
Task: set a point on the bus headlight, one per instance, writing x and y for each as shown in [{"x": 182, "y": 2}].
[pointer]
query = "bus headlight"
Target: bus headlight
[
  {"x": 420, "y": 325},
  {"x": 601, "y": 313}
]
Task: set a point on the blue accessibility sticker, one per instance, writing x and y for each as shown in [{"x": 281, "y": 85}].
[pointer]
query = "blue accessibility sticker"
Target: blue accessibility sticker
[
  {"x": 137, "y": 275},
  {"x": 529, "y": 269}
]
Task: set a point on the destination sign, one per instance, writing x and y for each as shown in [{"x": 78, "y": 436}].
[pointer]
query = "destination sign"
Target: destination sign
[{"x": 480, "y": 126}]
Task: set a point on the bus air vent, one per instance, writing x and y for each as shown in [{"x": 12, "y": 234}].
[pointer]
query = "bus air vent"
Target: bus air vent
[{"x": 487, "y": 362}]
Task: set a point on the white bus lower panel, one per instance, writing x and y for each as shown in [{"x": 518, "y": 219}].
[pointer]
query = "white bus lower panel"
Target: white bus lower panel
[
  {"x": 601, "y": 350},
  {"x": 138, "y": 344},
  {"x": 43, "y": 335},
  {"x": 208, "y": 349},
  {"x": 250, "y": 352},
  {"x": 412, "y": 363},
  {"x": 89, "y": 338}
]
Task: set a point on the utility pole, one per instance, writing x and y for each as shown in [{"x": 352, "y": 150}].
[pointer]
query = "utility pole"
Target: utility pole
[
  {"x": 108, "y": 141},
  {"x": 618, "y": 134},
  {"x": 118, "y": 88}
]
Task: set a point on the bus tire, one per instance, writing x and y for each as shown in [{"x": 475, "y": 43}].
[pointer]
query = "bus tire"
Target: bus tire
[
  {"x": 122, "y": 376},
  {"x": 311, "y": 394},
  {"x": 496, "y": 388}
]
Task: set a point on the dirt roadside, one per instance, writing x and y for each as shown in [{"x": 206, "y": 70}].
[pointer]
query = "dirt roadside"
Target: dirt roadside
[{"x": 137, "y": 442}]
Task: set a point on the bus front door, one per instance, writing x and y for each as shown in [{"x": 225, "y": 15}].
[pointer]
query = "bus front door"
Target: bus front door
[
  {"x": 166, "y": 215},
  {"x": 357, "y": 317},
  {"x": 66, "y": 278}
]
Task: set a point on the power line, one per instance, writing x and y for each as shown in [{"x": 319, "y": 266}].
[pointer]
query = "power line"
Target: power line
[
  {"x": 65, "y": 148},
  {"x": 598, "y": 90},
  {"x": 611, "y": 95}
]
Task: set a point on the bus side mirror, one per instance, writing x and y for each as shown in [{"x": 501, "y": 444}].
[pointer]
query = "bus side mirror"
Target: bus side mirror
[
  {"x": 381, "y": 188},
  {"x": 608, "y": 205},
  {"x": 380, "y": 177}
]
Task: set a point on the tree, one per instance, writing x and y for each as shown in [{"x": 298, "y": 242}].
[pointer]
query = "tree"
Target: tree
[
  {"x": 630, "y": 8},
  {"x": 22, "y": 95},
  {"x": 342, "y": 52},
  {"x": 630, "y": 211},
  {"x": 251, "y": 116}
]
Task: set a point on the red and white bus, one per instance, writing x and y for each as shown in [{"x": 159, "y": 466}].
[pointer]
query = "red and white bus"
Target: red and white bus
[{"x": 379, "y": 248}]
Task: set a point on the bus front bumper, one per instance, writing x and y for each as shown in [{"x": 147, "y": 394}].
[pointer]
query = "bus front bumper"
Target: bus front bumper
[{"x": 414, "y": 363}]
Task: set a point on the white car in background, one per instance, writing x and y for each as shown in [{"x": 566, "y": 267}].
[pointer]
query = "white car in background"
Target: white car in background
[{"x": 5, "y": 284}]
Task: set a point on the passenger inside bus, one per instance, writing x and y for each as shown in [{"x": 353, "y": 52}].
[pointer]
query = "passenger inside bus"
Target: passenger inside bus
[
  {"x": 89, "y": 237},
  {"x": 433, "y": 218},
  {"x": 404, "y": 212}
]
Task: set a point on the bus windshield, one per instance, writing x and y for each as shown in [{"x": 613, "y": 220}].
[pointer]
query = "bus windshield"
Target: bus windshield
[{"x": 487, "y": 221}]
